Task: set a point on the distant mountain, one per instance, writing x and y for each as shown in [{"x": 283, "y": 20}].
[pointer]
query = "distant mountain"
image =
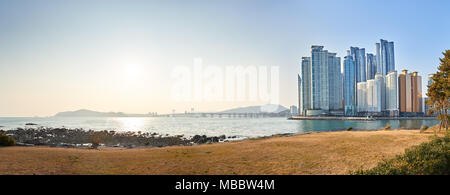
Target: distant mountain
[
  {"x": 90, "y": 113},
  {"x": 268, "y": 108}
]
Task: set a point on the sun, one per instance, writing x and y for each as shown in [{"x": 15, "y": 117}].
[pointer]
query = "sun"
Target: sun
[{"x": 132, "y": 72}]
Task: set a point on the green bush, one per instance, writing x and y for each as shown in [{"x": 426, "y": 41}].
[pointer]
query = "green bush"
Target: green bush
[
  {"x": 432, "y": 158},
  {"x": 6, "y": 140}
]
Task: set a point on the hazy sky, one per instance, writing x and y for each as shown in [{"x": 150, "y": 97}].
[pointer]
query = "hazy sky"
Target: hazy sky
[{"x": 118, "y": 55}]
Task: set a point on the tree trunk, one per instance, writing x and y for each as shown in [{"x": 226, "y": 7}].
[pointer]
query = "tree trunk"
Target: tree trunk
[
  {"x": 441, "y": 121},
  {"x": 446, "y": 120}
]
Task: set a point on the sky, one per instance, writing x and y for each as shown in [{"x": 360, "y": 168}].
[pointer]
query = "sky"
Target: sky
[{"x": 111, "y": 55}]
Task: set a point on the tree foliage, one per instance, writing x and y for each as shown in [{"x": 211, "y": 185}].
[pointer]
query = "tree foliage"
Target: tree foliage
[{"x": 439, "y": 91}]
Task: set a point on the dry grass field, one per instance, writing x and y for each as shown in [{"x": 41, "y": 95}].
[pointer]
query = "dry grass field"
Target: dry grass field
[{"x": 315, "y": 153}]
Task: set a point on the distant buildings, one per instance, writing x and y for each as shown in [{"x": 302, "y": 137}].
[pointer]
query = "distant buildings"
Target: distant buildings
[
  {"x": 371, "y": 66},
  {"x": 300, "y": 98},
  {"x": 319, "y": 74},
  {"x": 410, "y": 93},
  {"x": 391, "y": 94},
  {"x": 376, "y": 103},
  {"x": 362, "y": 97},
  {"x": 350, "y": 100},
  {"x": 380, "y": 81},
  {"x": 385, "y": 56},
  {"x": 416, "y": 92},
  {"x": 334, "y": 82},
  {"x": 293, "y": 110},
  {"x": 320, "y": 82},
  {"x": 404, "y": 91},
  {"x": 369, "y": 96},
  {"x": 359, "y": 56},
  {"x": 305, "y": 85},
  {"x": 368, "y": 86}
]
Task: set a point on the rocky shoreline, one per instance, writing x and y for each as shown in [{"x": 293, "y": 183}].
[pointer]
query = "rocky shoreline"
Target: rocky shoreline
[{"x": 80, "y": 138}]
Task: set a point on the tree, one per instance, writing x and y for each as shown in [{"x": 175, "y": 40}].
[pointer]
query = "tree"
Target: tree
[{"x": 439, "y": 91}]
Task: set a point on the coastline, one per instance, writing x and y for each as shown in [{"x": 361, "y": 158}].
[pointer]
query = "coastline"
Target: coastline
[
  {"x": 80, "y": 138},
  {"x": 358, "y": 118},
  {"x": 333, "y": 152}
]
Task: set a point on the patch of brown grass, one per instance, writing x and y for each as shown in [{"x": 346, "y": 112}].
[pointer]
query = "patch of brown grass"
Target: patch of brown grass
[{"x": 314, "y": 153}]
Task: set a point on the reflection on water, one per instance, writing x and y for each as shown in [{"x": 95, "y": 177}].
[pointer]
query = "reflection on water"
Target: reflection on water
[
  {"x": 247, "y": 127},
  {"x": 133, "y": 123}
]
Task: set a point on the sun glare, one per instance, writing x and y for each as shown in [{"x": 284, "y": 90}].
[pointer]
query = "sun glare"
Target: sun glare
[
  {"x": 131, "y": 123},
  {"x": 132, "y": 72}
]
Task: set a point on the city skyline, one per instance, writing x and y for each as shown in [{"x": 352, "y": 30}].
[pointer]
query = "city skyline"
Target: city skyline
[
  {"x": 116, "y": 56},
  {"x": 367, "y": 86}
]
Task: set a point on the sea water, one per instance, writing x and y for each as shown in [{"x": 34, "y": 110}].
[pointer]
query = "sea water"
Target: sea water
[{"x": 187, "y": 126}]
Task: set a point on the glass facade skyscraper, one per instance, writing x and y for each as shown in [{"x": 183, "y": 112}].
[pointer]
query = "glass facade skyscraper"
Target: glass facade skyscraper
[
  {"x": 320, "y": 82},
  {"x": 371, "y": 76},
  {"x": 349, "y": 86},
  {"x": 300, "y": 98},
  {"x": 334, "y": 82},
  {"x": 359, "y": 56},
  {"x": 385, "y": 57},
  {"x": 371, "y": 66},
  {"x": 305, "y": 85},
  {"x": 319, "y": 75}
]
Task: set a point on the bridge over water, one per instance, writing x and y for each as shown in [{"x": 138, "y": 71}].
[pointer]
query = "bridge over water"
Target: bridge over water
[{"x": 222, "y": 115}]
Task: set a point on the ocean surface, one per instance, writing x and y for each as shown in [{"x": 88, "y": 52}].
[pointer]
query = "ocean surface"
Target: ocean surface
[{"x": 241, "y": 127}]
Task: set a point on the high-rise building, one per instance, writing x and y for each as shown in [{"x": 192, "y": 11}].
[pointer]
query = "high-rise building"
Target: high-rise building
[
  {"x": 341, "y": 89},
  {"x": 334, "y": 82},
  {"x": 320, "y": 82},
  {"x": 416, "y": 92},
  {"x": 385, "y": 63},
  {"x": 385, "y": 56},
  {"x": 390, "y": 57},
  {"x": 319, "y": 75},
  {"x": 362, "y": 96},
  {"x": 350, "y": 100},
  {"x": 370, "y": 95},
  {"x": 410, "y": 92},
  {"x": 404, "y": 91},
  {"x": 377, "y": 99},
  {"x": 300, "y": 98},
  {"x": 371, "y": 66},
  {"x": 359, "y": 56},
  {"x": 305, "y": 85},
  {"x": 391, "y": 93}
]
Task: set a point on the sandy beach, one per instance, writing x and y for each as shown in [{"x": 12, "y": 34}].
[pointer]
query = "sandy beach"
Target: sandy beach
[{"x": 314, "y": 153}]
